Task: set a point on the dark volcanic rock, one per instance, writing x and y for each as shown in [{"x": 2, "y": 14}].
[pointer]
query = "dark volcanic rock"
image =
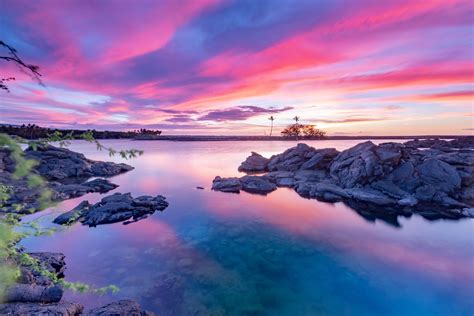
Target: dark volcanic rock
[
  {"x": 356, "y": 165},
  {"x": 254, "y": 163},
  {"x": 439, "y": 175},
  {"x": 256, "y": 184},
  {"x": 115, "y": 208},
  {"x": 62, "y": 308},
  {"x": 32, "y": 293},
  {"x": 69, "y": 191},
  {"x": 291, "y": 159},
  {"x": 119, "y": 308},
  {"x": 73, "y": 215},
  {"x": 251, "y": 184},
  {"x": 432, "y": 177},
  {"x": 60, "y": 164},
  {"x": 321, "y": 159},
  {"x": 231, "y": 185}
]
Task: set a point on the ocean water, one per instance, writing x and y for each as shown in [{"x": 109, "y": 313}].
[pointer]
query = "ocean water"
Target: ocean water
[{"x": 213, "y": 253}]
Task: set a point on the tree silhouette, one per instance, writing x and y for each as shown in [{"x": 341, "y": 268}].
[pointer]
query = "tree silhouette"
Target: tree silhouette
[
  {"x": 31, "y": 70},
  {"x": 296, "y": 118},
  {"x": 271, "y": 118}
]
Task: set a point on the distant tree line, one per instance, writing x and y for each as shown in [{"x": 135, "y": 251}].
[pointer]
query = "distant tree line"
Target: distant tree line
[
  {"x": 33, "y": 131},
  {"x": 303, "y": 131}
]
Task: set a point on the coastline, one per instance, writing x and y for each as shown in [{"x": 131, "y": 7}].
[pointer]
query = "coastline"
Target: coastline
[{"x": 202, "y": 138}]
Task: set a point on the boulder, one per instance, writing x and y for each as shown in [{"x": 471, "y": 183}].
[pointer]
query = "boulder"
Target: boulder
[
  {"x": 321, "y": 159},
  {"x": 122, "y": 207},
  {"x": 119, "y": 308},
  {"x": 254, "y": 163},
  {"x": 356, "y": 165},
  {"x": 232, "y": 185},
  {"x": 439, "y": 175},
  {"x": 69, "y": 191},
  {"x": 32, "y": 293},
  {"x": 256, "y": 184},
  {"x": 370, "y": 196},
  {"x": 62, "y": 308},
  {"x": 389, "y": 153},
  {"x": 73, "y": 215},
  {"x": 327, "y": 192},
  {"x": 465, "y": 158},
  {"x": 291, "y": 159},
  {"x": 115, "y": 208}
]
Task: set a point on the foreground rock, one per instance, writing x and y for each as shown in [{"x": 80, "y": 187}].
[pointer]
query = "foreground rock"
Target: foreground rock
[
  {"x": 112, "y": 209},
  {"x": 66, "y": 173},
  {"x": 422, "y": 176},
  {"x": 62, "y": 308},
  {"x": 122, "y": 307}
]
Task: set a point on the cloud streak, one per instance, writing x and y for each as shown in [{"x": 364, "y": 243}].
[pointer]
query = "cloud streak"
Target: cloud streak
[{"x": 194, "y": 63}]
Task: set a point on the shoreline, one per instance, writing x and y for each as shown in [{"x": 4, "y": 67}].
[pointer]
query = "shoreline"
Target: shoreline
[{"x": 202, "y": 138}]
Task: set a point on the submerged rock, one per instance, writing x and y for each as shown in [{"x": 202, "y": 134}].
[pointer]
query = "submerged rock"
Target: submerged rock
[
  {"x": 115, "y": 208},
  {"x": 69, "y": 191},
  {"x": 122, "y": 307}
]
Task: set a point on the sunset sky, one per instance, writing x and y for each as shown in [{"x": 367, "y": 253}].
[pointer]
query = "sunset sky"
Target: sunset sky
[{"x": 223, "y": 67}]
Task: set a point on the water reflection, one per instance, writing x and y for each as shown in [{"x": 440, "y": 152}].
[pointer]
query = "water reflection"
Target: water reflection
[{"x": 212, "y": 253}]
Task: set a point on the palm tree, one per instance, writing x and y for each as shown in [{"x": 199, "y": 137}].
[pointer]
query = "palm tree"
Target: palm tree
[
  {"x": 296, "y": 118},
  {"x": 271, "y": 118}
]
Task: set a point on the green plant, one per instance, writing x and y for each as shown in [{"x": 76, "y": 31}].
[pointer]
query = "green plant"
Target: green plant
[{"x": 12, "y": 230}]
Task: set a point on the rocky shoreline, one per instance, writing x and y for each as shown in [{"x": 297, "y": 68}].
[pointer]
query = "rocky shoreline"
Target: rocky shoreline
[
  {"x": 431, "y": 177},
  {"x": 67, "y": 174}
]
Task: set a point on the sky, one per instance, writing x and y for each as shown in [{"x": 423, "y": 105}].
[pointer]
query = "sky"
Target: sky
[{"x": 352, "y": 67}]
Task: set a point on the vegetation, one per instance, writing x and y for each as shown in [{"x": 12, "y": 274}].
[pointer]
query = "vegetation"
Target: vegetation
[
  {"x": 12, "y": 230},
  {"x": 303, "y": 131},
  {"x": 33, "y": 131}
]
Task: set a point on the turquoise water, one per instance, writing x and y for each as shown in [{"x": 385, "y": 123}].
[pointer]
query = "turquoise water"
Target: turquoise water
[{"x": 212, "y": 253}]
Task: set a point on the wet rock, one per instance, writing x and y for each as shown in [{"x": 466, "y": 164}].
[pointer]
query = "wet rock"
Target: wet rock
[
  {"x": 115, "y": 208},
  {"x": 258, "y": 185},
  {"x": 62, "y": 308},
  {"x": 370, "y": 196},
  {"x": 327, "y": 192},
  {"x": 254, "y": 163},
  {"x": 120, "y": 308},
  {"x": 73, "y": 215},
  {"x": 69, "y": 191},
  {"x": 232, "y": 185}
]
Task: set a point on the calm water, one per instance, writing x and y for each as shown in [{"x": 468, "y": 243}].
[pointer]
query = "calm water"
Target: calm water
[{"x": 212, "y": 253}]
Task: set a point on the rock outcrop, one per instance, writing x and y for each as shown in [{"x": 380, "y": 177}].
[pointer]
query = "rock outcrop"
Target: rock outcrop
[
  {"x": 415, "y": 176},
  {"x": 56, "y": 164},
  {"x": 66, "y": 173},
  {"x": 251, "y": 184},
  {"x": 115, "y": 208}
]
